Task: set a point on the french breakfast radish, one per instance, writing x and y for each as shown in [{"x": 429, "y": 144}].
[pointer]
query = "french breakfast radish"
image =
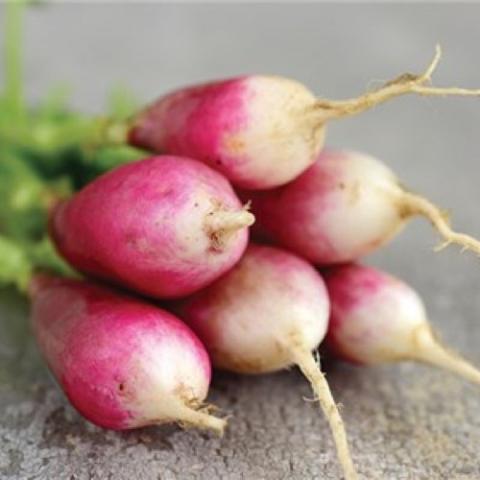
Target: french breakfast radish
[
  {"x": 121, "y": 362},
  {"x": 268, "y": 312},
  {"x": 344, "y": 206},
  {"x": 376, "y": 318},
  {"x": 164, "y": 226},
  {"x": 259, "y": 131}
]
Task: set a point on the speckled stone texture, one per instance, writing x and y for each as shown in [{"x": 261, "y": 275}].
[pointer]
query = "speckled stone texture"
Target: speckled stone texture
[{"x": 405, "y": 422}]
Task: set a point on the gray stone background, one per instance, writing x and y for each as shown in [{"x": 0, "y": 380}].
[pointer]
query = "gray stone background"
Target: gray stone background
[{"x": 404, "y": 421}]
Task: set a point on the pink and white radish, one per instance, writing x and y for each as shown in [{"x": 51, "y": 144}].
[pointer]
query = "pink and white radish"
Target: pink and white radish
[
  {"x": 121, "y": 362},
  {"x": 267, "y": 313},
  {"x": 259, "y": 131},
  {"x": 164, "y": 226},
  {"x": 344, "y": 206},
  {"x": 376, "y": 318}
]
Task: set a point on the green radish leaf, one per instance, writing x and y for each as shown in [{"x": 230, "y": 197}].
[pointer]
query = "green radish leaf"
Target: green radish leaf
[{"x": 15, "y": 266}]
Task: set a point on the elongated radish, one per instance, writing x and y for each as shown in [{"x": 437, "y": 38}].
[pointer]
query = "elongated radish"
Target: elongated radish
[
  {"x": 267, "y": 313},
  {"x": 377, "y": 319},
  {"x": 164, "y": 226},
  {"x": 259, "y": 131},
  {"x": 343, "y": 207},
  {"x": 122, "y": 362}
]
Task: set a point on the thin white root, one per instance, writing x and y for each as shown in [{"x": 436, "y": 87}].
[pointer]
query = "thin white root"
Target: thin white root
[
  {"x": 404, "y": 84},
  {"x": 221, "y": 224},
  {"x": 429, "y": 349},
  {"x": 442, "y": 246},
  {"x": 196, "y": 418},
  {"x": 306, "y": 362},
  {"x": 417, "y": 205},
  {"x": 445, "y": 91}
]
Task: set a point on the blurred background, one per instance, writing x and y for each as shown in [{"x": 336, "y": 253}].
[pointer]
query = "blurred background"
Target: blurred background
[{"x": 404, "y": 422}]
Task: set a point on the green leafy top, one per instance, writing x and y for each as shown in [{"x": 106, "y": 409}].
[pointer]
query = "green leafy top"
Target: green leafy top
[{"x": 46, "y": 152}]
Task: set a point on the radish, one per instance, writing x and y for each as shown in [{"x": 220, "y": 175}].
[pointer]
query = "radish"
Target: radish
[
  {"x": 259, "y": 131},
  {"x": 164, "y": 226},
  {"x": 376, "y": 318},
  {"x": 121, "y": 362},
  {"x": 344, "y": 206},
  {"x": 267, "y": 313}
]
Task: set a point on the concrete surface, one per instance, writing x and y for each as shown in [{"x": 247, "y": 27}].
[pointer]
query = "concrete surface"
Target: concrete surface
[{"x": 404, "y": 422}]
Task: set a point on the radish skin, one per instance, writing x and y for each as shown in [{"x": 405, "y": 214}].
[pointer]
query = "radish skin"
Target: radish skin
[
  {"x": 376, "y": 318},
  {"x": 164, "y": 226},
  {"x": 346, "y": 205},
  {"x": 121, "y": 362},
  {"x": 259, "y": 131},
  {"x": 267, "y": 313}
]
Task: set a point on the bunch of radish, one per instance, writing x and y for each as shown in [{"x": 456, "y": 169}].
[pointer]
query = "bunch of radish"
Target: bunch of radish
[{"x": 166, "y": 284}]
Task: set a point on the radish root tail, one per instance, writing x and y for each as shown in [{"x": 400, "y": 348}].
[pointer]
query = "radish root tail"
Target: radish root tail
[
  {"x": 417, "y": 205},
  {"x": 189, "y": 417},
  {"x": 229, "y": 221},
  {"x": 307, "y": 364},
  {"x": 221, "y": 224},
  {"x": 402, "y": 85},
  {"x": 429, "y": 349}
]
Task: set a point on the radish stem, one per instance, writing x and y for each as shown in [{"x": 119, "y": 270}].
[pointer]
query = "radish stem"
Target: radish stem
[
  {"x": 12, "y": 55},
  {"x": 15, "y": 266}
]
